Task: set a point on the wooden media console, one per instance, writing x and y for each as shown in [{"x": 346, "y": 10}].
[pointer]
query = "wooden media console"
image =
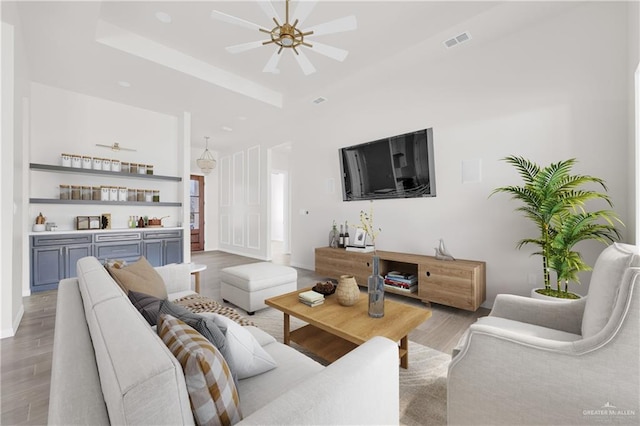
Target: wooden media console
[{"x": 458, "y": 283}]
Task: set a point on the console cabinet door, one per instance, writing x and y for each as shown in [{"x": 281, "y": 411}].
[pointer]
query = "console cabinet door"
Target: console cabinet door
[{"x": 448, "y": 283}]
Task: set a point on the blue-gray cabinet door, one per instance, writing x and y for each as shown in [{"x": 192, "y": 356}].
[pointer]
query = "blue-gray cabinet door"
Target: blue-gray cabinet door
[
  {"x": 153, "y": 252},
  {"x": 47, "y": 267},
  {"x": 173, "y": 251},
  {"x": 72, "y": 255}
]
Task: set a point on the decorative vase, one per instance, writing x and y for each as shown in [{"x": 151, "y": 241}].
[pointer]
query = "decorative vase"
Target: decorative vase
[
  {"x": 375, "y": 286},
  {"x": 347, "y": 292},
  {"x": 333, "y": 236}
]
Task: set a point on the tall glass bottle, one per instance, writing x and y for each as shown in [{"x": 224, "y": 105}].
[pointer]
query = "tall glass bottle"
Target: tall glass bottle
[
  {"x": 333, "y": 236},
  {"x": 375, "y": 285},
  {"x": 346, "y": 234}
]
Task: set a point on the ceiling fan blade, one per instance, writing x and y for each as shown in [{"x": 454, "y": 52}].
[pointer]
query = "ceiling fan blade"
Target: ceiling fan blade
[
  {"x": 305, "y": 64},
  {"x": 330, "y": 51},
  {"x": 348, "y": 23},
  {"x": 215, "y": 14},
  {"x": 303, "y": 10},
  {"x": 243, "y": 47},
  {"x": 272, "y": 64},
  {"x": 269, "y": 10}
]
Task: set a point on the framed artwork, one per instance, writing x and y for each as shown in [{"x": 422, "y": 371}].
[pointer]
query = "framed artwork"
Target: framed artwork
[{"x": 360, "y": 239}]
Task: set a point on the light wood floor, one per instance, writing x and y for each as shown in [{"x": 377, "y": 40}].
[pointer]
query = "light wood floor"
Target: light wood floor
[{"x": 25, "y": 369}]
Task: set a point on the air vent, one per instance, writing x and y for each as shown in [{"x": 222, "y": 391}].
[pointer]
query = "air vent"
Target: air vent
[
  {"x": 459, "y": 39},
  {"x": 319, "y": 100}
]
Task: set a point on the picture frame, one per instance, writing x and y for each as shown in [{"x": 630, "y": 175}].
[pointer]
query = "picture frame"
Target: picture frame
[{"x": 360, "y": 238}]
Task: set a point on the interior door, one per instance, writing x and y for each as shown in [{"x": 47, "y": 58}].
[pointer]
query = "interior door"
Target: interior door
[{"x": 197, "y": 212}]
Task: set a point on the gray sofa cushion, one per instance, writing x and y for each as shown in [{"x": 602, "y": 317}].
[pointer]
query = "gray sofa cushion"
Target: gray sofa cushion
[
  {"x": 147, "y": 305},
  {"x": 293, "y": 369}
]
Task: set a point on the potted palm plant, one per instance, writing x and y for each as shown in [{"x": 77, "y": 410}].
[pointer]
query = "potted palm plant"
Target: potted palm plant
[{"x": 554, "y": 199}]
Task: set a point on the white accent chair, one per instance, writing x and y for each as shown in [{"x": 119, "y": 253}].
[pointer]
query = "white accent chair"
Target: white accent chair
[{"x": 539, "y": 362}]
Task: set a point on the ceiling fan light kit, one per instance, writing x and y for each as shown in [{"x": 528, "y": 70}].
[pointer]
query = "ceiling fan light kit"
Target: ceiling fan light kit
[
  {"x": 288, "y": 36},
  {"x": 206, "y": 162}
]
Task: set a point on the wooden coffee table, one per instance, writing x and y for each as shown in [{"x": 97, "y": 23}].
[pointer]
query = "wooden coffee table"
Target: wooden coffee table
[{"x": 333, "y": 329}]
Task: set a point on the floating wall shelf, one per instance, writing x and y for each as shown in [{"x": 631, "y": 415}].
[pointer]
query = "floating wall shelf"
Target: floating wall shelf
[
  {"x": 105, "y": 203},
  {"x": 61, "y": 169}
]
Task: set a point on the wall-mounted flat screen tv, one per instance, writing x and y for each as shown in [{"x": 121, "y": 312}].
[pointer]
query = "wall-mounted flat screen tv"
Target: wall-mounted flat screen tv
[{"x": 397, "y": 167}]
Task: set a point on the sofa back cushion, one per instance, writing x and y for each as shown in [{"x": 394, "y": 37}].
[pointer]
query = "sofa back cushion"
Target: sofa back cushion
[
  {"x": 141, "y": 380},
  {"x": 605, "y": 284}
]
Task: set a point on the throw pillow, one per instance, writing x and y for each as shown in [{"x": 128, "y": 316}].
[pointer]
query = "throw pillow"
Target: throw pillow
[
  {"x": 139, "y": 276},
  {"x": 205, "y": 326},
  {"x": 212, "y": 391},
  {"x": 147, "y": 305},
  {"x": 249, "y": 358}
]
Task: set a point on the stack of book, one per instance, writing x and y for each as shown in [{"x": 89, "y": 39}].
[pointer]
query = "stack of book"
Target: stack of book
[
  {"x": 311, "y": 298},
  {"x": 361, "y": 249},
  {"x": 402, "y": 281}
]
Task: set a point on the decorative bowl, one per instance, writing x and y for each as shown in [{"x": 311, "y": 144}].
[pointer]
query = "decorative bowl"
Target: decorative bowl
[{"x": 326, "y": 288}]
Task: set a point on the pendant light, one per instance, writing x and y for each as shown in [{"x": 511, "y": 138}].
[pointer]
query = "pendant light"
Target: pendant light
[{"x": 206, "y": 161}]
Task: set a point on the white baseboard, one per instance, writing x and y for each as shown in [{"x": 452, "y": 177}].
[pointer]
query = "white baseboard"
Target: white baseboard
[
  {"x": 239, "y": 253},
  {"x": 10, "y": 332}
]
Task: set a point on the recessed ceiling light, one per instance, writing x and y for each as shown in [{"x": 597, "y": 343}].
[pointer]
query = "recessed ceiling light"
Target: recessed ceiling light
[
  {"x": 163, "y": 17},
  {"x": 123, "y": 83},
  {"x": 241, "y": 117},
  {"x": 227, "y": 128}
]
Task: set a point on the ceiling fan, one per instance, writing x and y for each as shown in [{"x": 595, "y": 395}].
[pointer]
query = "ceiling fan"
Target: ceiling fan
[
  {"x": 115, "y": 147},
  {"x": 288, "y": 35}
]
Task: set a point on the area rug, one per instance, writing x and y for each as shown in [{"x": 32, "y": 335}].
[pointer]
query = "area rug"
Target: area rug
[{"x": 423, "y": 386}]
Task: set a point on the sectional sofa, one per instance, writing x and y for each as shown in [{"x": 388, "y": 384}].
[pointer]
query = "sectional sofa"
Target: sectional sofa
[{"x": 110, "y": 367}]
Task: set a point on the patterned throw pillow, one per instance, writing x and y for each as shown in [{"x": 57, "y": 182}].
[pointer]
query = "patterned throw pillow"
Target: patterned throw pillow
[
  {"x": 205, "y": 326},
  {"x": 212, "y": 392}
]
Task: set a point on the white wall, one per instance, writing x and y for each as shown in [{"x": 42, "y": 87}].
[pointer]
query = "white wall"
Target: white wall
[
  {"x": 633, "y": 79},
  {"x": 67, "y": 122},
  {"x": 15, "y": 92},
  {"x": 554, "y": 90},
  {"x": 243, "y": 210},
  {"x": 9, "y": 311}
]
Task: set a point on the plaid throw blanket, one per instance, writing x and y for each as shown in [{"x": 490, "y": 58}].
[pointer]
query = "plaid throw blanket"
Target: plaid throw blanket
[{"x": 197, "y": 304}]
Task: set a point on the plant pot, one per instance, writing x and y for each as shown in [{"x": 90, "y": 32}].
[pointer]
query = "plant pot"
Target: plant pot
[{"x": 536, "y": 295}]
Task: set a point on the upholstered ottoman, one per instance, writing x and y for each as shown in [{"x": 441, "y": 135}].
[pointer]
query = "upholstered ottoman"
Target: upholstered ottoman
[{"x": 246, "y": 286}]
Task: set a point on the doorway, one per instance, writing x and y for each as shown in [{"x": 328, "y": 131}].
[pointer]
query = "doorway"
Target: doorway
[
  {"x": 279, "y": 226},
  {"x": 196, "y": 203},
  {"x": 279, "y": 215}
]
